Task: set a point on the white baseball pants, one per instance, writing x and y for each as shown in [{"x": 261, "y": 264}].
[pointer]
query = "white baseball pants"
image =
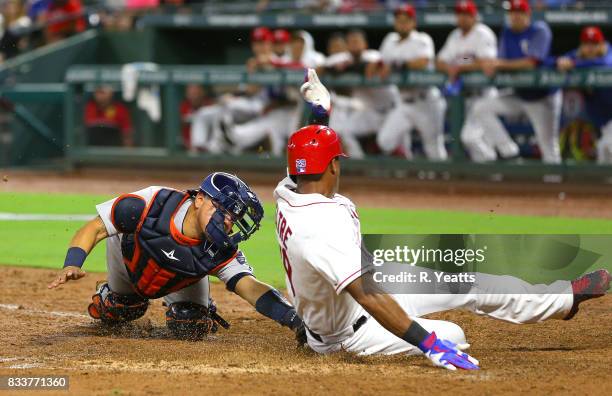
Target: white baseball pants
[
  {"x": 478, "y": 144},
  {"x": 206, "y": 129},
  {"x": 277, "y": 124},
  {"x": 351, "y": 119},
  {"x": 427, "y": 116},
  {"x": 544, "y": 115},
  {"x": 604, "y": 145},
  {"x": 537, "y": 303}
]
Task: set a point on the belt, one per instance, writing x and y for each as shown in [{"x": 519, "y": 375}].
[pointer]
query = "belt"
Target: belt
[{"x": 356, "y": 326}]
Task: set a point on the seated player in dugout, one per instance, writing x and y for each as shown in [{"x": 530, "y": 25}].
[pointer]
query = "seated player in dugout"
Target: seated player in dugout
[
  {"x": 361, "y": 114},
  {"x": 196, "y": 97},
  {"x": 418, "y": 108},
  {"x": 280, "y": 44},
  {"x": 107, "y": 121},
  {"x": 524, "y": 45},
  {"x": 164, "y": 243},
  {"x": 327, "y": 280},
  {"x": 593, "y": 52}
]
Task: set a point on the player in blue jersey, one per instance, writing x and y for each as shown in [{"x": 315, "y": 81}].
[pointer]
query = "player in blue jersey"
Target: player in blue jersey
[
  {"x": 524, "y": 45},
  {"x": 594, "y": 52}
]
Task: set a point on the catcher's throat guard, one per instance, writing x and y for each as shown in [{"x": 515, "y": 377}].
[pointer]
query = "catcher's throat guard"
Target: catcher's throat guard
[{"x": 233, "y": 198}]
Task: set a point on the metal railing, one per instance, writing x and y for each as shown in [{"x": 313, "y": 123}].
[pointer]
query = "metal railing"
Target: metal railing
[
  {"x": 170, "y": 79},
  {"x": 237, "y": 74}
]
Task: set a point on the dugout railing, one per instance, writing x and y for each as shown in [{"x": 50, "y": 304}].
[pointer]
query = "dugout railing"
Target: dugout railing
[
  {"x": 426, "y": 18},
  {"x": 168, "y": 152}
]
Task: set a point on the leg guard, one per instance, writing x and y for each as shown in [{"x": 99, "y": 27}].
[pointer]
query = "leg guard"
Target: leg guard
[
  {"x": 191, "y": 321},
  {"x": 111, "y": 307}
]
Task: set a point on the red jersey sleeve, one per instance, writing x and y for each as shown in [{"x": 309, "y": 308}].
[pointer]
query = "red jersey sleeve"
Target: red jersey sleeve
[
  {"x": 91, "y": 115},
  {"x": 124, "y": 121}
]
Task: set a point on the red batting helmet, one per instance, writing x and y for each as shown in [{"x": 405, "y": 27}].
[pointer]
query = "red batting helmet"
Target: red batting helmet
[{"x": 311, "y": 149}]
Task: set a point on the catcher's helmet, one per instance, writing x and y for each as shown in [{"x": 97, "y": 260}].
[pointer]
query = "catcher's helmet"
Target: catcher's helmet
[
  {"x": 311, "y": 149},
  {"x": 232, "y": 196}
]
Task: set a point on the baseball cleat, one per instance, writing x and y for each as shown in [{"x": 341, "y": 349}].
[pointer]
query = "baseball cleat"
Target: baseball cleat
[
  {"x": 591, "y": 285},
  {"x": 113, "y": 308},
  {"x": 94, "y": 308}
]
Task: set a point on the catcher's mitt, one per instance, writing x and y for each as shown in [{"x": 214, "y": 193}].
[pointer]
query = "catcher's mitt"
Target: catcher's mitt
[{"x": 191, "y": 321}]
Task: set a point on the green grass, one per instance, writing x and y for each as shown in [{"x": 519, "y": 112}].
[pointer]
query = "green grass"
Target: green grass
[
  {"x": 43, "y": 243},
  {"x": 50, "y": 203}
]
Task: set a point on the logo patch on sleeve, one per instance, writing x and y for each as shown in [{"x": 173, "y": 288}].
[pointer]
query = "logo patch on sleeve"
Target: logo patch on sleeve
[{"x": 240, "y": 258}]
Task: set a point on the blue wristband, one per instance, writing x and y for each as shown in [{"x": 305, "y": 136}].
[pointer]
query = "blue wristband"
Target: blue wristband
[{"x": 75, "y": 257}]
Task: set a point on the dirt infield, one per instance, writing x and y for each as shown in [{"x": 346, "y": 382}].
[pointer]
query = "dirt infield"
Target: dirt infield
[{"x": 47, "y": 332}]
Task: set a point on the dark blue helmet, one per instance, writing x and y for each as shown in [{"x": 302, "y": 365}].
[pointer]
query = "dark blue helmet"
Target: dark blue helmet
[{"x": 231, "y": 196}]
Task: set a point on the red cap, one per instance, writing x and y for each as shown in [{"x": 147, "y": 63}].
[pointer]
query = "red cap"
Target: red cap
[
  {"x": 406, "y": 9},
  {"x": 311, "y": 149},
  {"x": 281, "y": 36},
  {"x": 466, "y": 7},
  {"x": 520, "y": 5},
  {"x": 591, "y": 34},
  {"x": 261, "y": 34}
]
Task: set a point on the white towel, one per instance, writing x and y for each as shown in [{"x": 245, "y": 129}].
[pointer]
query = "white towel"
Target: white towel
[{"x": 147, "y": 97}]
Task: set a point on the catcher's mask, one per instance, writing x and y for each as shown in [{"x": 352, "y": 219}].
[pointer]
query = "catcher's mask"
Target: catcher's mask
[{"x": 231, "y": 196}]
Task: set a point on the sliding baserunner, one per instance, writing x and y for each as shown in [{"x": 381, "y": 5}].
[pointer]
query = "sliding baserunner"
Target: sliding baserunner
[{"x": 318, "y": 231}]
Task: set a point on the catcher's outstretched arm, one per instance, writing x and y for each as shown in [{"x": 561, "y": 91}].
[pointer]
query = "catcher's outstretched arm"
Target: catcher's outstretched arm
[
  {"x": 89, "y": 235},
  {"x": 81, "y": 244},
  {"x": 269, "y": 302}
]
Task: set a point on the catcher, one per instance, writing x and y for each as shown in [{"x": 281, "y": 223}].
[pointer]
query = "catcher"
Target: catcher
[{"x": 163, "y": 242}]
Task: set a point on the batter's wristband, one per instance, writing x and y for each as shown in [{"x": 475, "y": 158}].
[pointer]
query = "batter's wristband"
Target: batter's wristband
[
  {"x": 75, "y": 257},
  {"x": 415, "y": 334},
  {"x": 321, "y": 118}
]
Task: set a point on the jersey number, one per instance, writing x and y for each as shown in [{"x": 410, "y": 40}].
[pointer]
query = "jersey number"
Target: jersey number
[{"x": 287, "y": 266}]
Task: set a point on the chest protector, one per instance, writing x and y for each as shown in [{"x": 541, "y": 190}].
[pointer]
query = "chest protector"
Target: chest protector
[{"x": 159, "y": 258}]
